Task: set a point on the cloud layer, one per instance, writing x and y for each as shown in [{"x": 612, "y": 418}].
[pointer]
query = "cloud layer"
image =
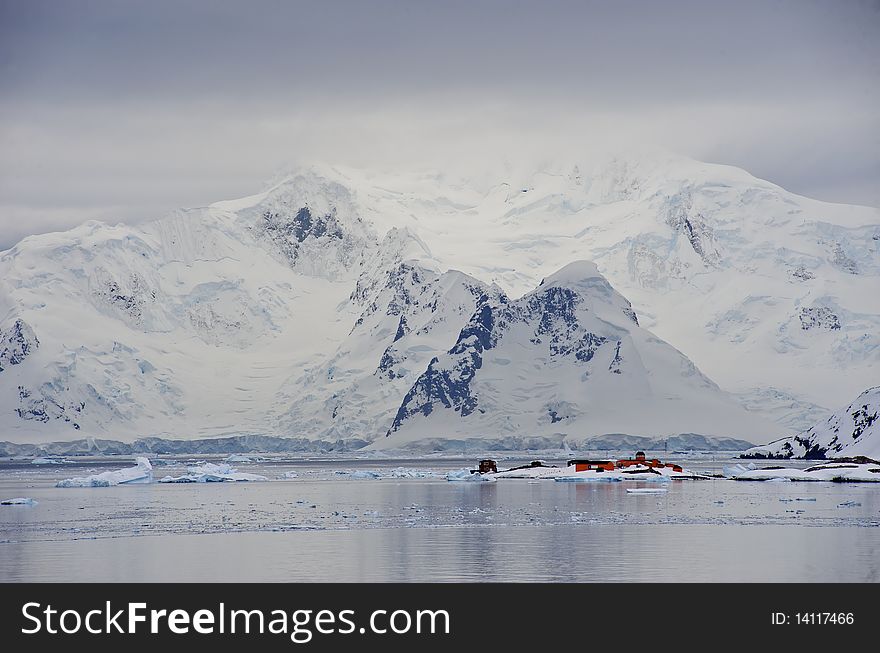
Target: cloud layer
[{"x": 121, "y": 111}]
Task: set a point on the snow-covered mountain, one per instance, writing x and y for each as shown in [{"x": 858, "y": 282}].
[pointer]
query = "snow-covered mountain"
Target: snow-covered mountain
[
  {"x": 568, "y": 358},
  {"x": 315, "y": 309},
  {"x": 852, "y": 431},
  {"x": 772, "y": 295}
]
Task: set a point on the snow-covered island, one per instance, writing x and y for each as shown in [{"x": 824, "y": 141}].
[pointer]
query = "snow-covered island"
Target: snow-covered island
[
  {"x": 638, "y": 468},
  {"x": 851, "y": 431},
  {"x": 859, "y": 469}
]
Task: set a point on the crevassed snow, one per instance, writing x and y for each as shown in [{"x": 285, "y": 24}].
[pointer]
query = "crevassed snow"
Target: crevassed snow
[{"x": 142, "y": 472}]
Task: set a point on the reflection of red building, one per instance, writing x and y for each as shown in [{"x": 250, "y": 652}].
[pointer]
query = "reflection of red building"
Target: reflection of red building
[{"x": 607, "y": 465}]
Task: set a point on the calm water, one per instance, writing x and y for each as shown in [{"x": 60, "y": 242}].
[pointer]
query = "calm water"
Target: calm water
[{"x": 325, "y": 525}]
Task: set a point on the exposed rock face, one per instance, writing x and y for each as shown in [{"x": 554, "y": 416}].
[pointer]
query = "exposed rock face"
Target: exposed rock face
[
  {"x": 16, "y": 343},
  {"x": 818, "y": 317}
]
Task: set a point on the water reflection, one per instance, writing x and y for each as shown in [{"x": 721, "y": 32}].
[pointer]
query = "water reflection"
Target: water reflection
[{"x": 557, "y": 553}]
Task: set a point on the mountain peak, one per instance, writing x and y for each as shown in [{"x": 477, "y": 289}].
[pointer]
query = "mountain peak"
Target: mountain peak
[{"x": 574, "y": 275}]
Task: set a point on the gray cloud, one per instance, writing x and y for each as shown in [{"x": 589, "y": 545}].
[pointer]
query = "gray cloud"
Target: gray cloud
[{"x": 121, "y": 111}]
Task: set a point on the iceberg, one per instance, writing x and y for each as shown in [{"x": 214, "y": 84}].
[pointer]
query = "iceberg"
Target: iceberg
[
  {"x": 142, "y": 472},
  {"x": 241, "y": 458},
  {"x": 212, "y": 473},
  {"x": 735, "y": 470},
  {"x": 19, "y": 501}
]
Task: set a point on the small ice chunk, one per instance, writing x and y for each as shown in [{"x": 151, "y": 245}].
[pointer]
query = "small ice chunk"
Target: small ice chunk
[
  {"x": 238, "y": 458},
  {"x": 19, "y": 501},
  {"x": 805, "y": 498},
  {"x": 849, "y": 504},
  {"x": 404, "y": 472},
  {"x": 465, "y": 475},
  {"x": 363, "y": 474},
  {"x": 290, "y": 474},
  {"x": 646, "y": 490}
]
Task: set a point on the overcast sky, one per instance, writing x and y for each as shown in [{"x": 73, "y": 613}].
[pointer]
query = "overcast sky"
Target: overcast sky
[{"x": 121, "y": 111}]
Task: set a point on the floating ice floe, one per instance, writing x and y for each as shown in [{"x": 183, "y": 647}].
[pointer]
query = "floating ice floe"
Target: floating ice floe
[
  {"x": 397, "y": 472},
  {"x": 849, "y": 504},
  {"x": 212, "y": 473},
  {"x": 646, "y": 490},
  {"x": 290, "y": 474},
  {"x": 465, "y": 475},
  {"x": 362, "y": 474},
  {"x": 49, "y": 461},
  {"x": 241, "y": 458},
  {"x": 19, "y": 501},
  {"x": 142, "y": 472},
  {"x": 861, "y": 470},
  {"x": 406, "y": 472}
]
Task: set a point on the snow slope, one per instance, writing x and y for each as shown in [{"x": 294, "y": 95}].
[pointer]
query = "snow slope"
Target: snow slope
[
  {"x": 852, "y": 431},
  {"x": 311, "y": 309},
  {"x": 186, "y": 326}
]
